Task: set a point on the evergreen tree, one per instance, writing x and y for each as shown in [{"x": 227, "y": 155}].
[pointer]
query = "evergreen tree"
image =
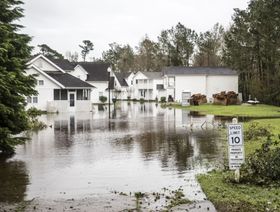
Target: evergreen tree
[
  {"x": 148, "y": 58},
  {"x": 177, "y": 44},
  {"x": 209, "y": 46},
  {"x": 86, "y": 48},
  {"x": 14, "y": 84},
  {"x": 49, "y": 52},
  {"x": 252, "y": 47},
  {"x": 120, "y": 57}
]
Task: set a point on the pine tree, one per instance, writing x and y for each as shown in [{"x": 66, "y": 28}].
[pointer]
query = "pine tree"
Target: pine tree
[{"x": 14, "y": 84}]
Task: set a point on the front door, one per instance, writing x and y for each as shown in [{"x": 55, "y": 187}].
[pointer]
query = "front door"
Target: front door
[{"x": 72, "y": 102}]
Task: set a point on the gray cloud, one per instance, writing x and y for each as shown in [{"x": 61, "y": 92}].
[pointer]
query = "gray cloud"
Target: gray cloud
[{"x": 63, "y": 24}]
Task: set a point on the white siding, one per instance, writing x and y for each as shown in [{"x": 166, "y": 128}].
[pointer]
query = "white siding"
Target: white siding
[
  {"x": 79, "y": 73},
  {"x": 44, "y": 65},
  {"x": 216, "y": 84},
  {"x": 45, "y": 92},
  {"x": 194, "y": 83},
  {"x": 100, "y": 86}
]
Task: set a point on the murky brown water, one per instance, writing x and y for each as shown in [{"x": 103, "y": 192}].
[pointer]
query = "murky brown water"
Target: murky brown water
[{"x": 143, "y": 148}]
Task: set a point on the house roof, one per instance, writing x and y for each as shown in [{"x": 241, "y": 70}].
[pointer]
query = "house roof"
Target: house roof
[
  {"x": 34, "y": 58},
  {"x": 121, "y": 78},
  {"x": 62, "y": 63},
  {"x": 152, "y": 75},
  {"x": 96, "y": 71},
  {"x": 69, "y": 81},
  {"x": 180, "y": 70}
]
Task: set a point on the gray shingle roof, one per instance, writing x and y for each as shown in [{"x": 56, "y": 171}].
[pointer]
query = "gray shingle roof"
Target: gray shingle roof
[
  {"x": 68, "y": 80},
  {"x": 121, "y": 78},
  {"x": 179, "y": 70},
  {"x": 152, "y": 75},
  {"x": 96, "y": 71},
  {"x": 62, "y": 63}
]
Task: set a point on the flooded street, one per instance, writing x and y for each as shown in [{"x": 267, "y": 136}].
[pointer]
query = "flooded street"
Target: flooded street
[{"x": 143, "y": 148}]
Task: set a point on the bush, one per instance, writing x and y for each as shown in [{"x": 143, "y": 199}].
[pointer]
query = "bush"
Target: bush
[
  {"x": 255, "y": 131},
  {"x": 103, "y": 99},
  {"x": 142, "y": 100},
  {"x": 34, "y": 112},
  {"x": 34, "y": 123},
  {"x": 163, "y": 99},
  {"x": 263, "y": 166}
]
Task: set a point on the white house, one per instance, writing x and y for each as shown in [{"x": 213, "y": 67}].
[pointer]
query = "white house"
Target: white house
[
  {"x": 148, "y": 85},
  {"x": 129, "y": 81},
  {"x": 94, "y": 73},
  {"x": 203, "y": 80},
  {"x": 121, "y": 88},
  {"x": 57, "y": 90}
]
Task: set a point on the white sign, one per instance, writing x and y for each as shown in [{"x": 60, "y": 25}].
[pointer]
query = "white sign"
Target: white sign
[
  {"x": 186, "y": 96},
  {"x": 236, "y": 147}
]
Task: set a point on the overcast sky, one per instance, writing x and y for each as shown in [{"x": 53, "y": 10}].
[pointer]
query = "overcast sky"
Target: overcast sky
[{"x": 63, "y": 24}]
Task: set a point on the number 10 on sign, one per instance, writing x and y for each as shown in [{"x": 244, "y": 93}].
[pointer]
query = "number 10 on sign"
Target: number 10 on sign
[{"x": 235, "y": 135}]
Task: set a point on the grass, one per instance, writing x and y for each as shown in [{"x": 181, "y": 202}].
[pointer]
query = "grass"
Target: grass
[
  {"x": 227, "y": 196},
  {"x": 245, "y": 110},
  {"x": 272, "y": 124}
]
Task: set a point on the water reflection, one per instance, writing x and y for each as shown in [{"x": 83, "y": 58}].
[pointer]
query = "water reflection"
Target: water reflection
[
  {"x": 13, "y": 181},
  {"x": 143, "y": 148}
]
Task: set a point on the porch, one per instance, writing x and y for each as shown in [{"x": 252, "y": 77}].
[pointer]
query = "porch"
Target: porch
[{"x": 70, "y": 100}]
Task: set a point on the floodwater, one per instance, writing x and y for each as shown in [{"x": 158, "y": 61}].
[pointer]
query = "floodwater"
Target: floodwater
[{"x": 143, "y": 147}]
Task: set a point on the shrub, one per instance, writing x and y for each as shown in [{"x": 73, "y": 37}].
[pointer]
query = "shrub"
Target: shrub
[
  {"x": 34, "y": 123},
  {"x": 34, "y": 112},
  {"x": 142, "y": 100},
  {"x": 255, "y": 130},
  {"x": 263, "y": 166},
  {"x": 103, "y": 99},
  {"x": 163, "y": 99}
]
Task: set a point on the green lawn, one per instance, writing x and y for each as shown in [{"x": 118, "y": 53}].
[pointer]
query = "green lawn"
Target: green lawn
[
  {"x": 236, "y": 110},
  {"x": 228, "y": 196}
]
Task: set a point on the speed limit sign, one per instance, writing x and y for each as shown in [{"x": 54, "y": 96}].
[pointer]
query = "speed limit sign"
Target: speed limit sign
[
  {"x": 235, "y": 134},
  {"x": 236, "y": 147}
]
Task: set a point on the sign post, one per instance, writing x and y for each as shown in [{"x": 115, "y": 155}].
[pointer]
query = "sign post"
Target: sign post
[{"x": 235, "y": 145}]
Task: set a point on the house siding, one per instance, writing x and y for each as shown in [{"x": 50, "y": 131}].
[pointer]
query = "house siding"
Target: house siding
[{"x": 45, "y": 92}]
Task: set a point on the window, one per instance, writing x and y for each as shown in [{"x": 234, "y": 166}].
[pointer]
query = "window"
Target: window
[
  {"x": 84, "y": 94},
  {"x": 60, "y": 94},
  {"x": 56, "y": 94},
  {"x": 160, "y": 87},
  {"x": 40, "y": 82},
  {"x": 131, "y": 82},
  {"x": 79, "y": 94},
  {"x": 28, "y": 99},
  {"x": 35, "y": 99},
  {"x": 136, "y": 81},
  {"x": 63, "y": 95},
  {"x": 171, "y": 81},
  {"x": 32, "y": 99}
]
